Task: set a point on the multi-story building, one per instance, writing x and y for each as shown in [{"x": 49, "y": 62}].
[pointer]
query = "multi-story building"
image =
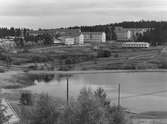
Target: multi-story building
[
  {"x": 123, "y": 34},
  {"x": 72, "y": 36},
  {"x": 129, "y": 34},
  {"x": 66, "y": 36},
  {"x": 77, "y": 39},
  {"x": 94, "y": 37}
]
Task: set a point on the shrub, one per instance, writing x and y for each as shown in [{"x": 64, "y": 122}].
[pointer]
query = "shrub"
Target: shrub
[
  {"x": 103, "y": 53},
  {"x": 89, "y": 108},
  {"x": 45, "y": 111},
  {"x": 86, "y": 110},
  {"x": 26, "y": 99},
  {"x": 92, "y": 108},
  {"x": 163, "y": 64},
  {"x": 116, "y": 55}
]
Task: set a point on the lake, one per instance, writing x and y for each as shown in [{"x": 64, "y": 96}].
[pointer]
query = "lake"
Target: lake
[{"x": 140, "y": 91}]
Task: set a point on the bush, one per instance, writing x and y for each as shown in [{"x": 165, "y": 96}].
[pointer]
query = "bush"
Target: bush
[
  {"x": 89, "y": 108},
  {"x": 163, "y": 64},
  {"x": 116, "y": 55},
  {"x": 86, "y": 110},
  {"x": 103, "y": 53},
  {"x": 92, "y": 108},
  {"x": 45, "y": 111},
  {"x": 65, "y": 67},
  {"x": 26, "y": 99}
]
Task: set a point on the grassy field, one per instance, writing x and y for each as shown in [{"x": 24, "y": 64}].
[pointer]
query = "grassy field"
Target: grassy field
[
  {"x": 85, "y": 58},
  {"x": 146, "y": 58}
]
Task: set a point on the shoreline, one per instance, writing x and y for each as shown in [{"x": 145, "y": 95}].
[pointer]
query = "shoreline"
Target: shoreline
[{"x": 95, "y": 71}]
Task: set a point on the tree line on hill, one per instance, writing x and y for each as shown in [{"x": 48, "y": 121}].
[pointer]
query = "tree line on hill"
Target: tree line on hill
[
  {"x": 18, "y": 33},
  {"x": 5, "y": 32},
  {"x": 156, "y": 36},
  {"x": 140, "y": 24}
]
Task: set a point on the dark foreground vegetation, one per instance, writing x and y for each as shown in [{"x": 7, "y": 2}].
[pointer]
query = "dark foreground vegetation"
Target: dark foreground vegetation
[{"x": 89, "y": 108}]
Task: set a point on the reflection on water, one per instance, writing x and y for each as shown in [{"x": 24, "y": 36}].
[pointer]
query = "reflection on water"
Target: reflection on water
[
  {"x": 43, "y": 77},
  {"x": 139, "y": 91},
  {"x": 60, "y": 77}
]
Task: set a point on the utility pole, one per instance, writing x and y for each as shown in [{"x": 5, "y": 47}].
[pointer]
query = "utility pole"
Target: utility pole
[
  {"x": 67, "y": 90},
  {"x": 119, "y": 93}
]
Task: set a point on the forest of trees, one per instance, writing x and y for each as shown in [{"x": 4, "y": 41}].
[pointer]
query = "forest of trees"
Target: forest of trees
[
  {"x": 157, "y": 36},
  {"x": 18, "y": 33},
  {"x": 126, "y": 24},
  {"x": 5, "y": 32}
]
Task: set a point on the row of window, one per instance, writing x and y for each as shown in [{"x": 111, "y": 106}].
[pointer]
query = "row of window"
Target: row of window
[{"x": 135, "y": 45}]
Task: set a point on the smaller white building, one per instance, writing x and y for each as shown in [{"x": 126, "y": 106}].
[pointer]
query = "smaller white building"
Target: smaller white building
[
  {"x": 79, "y": 39},
  {"x": 129, "y": 34},
  {"x": 135, "y": 45},
  {"x": 7, "y": 43},
  {"x": 69, "y": 40}
]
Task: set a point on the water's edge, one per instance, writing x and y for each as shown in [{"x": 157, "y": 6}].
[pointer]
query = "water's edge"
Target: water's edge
[{"x": 96, "y": 71}]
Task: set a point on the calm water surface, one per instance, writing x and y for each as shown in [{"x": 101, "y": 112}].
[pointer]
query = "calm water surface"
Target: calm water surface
[{"x": 140, "y": 91}]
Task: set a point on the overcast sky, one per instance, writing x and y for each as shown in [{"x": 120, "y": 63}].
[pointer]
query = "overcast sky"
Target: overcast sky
[{"x": 62, "y": 13}]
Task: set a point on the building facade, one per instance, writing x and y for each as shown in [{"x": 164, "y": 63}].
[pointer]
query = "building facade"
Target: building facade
[
  {"x": 7, "y": 43},
  {"x": 135, "y": 45},
  {"x": 79, "y": 39},
  {"x": 69, "y": 41},
  {"x": 94, "y": 37},
  {"x": 129, "y": 34},
  {"x": 74, "y": 39},
  {"x": 122, "y": 34},
  {"x": 66, "y": 36}
]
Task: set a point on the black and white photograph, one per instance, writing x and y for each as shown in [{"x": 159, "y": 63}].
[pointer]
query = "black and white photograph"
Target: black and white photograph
[{"x": 83, "y": 61}]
